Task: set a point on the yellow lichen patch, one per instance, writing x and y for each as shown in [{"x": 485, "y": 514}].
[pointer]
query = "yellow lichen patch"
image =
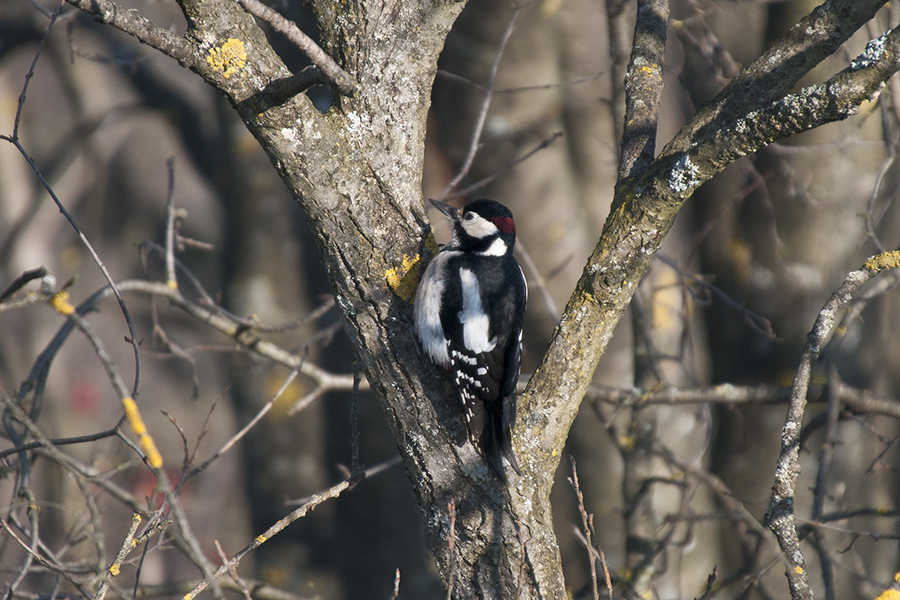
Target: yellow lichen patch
[
  {"x": 61, "y": 304},
  {"x": 885, "y": 260},
  {"x": 260, "y": 539},
  {"x": 154, "y": 458},
  {"x": 228, "y": 58},
  {"x": 651, "y": 70},
  {"x": 172, "y": 284},
  {"x": 114, "y": 569},
  {"x": 627, "y": 442},
  {"x": 798, "y": 570},
  {"x": 404, "y": 279},
  {"x": 889, "y": 595}
]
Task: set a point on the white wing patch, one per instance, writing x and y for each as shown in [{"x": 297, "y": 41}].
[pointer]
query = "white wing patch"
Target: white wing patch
[
  {"x": 428, "y": 310},
  {"x": 476, "y": 325}
]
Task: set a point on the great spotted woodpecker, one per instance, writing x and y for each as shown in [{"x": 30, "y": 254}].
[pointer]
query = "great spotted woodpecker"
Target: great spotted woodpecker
[{"x": 469, "y": 309}]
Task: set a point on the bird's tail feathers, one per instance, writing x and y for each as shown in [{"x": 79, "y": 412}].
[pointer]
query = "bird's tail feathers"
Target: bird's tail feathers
[{"x": 496, "y": 441}]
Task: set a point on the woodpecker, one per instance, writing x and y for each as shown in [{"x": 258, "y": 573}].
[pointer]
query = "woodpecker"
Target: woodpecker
[{"x": 469, "y": 309}]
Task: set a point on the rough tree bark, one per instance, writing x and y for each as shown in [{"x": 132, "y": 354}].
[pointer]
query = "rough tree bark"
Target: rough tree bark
[{"x": 356, "y": 171}]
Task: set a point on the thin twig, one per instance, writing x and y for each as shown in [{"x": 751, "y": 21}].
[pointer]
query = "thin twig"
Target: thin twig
[
  {"x": 606, "y": 577},
  {"x": 78, "y": 439},
  {"x": 475, "y": 141},
  {"x": 126, "y": 547},
  {"x": 759, "y": 323},
  {"x": 857, "y": 400},
  {"x": 342, "y": 81},
  {"x": 820, "y": 491},
  {"x": 275, "y": 529},
  {"x": 507, "y": 168},
  {"x": 132, "y": 339},
  {"x": 37, "y": 54},
  {"x": 235, "y": 329},
  {"x": 192, "y": 546},
  {"x": 585, "y": 521},
  {"x": 396, "y": 585},
  {"x": 240, "y": 434},
  {"x": 355, "y": 465},
  {"x": 366, "y": 474},
  {"x": 261, "y": 590},
  {"x": 171, "y": 281},
  {"x": 523, "y": 88},
  {"x": 232, "y": 573},
  {"x": 31, "y": 546},
  {"x": 710, "y": 581},
  {"x": 537, "y": 282}
]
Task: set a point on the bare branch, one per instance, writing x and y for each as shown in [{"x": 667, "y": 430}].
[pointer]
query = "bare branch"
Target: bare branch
[
  {"x": 342, "y": 81},
  {"x": 643, "y": 88},
  {"x": 132, "y": 335},
  {"x": 275, "y": 529},
  {"x": 857, "y": 400},
  {"x": 780, "y": 514},
  {"x": 240, "y": 434},
  {"x": 585, "y": 521},
  {"x": 133, "y": 23},
  {"x": 171, "y": 281},
  {"x": 127, "y": 545},
  {"x": 644, "y": 212},
  {"x": 396, "y": 592},
  {"x": 475, "y": 141}
]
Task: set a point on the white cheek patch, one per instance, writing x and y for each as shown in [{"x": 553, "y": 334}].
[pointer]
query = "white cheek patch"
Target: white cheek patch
[
  {"x": 476, "y": 325},
  {"x": 478, "y": 227}
]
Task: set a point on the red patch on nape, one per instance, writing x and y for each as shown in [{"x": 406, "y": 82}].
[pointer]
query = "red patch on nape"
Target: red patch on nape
[{"x": 505, "y": 224}]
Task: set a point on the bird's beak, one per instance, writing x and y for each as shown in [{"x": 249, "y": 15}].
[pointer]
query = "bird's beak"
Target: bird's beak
[{"x": 450, "y": 211}]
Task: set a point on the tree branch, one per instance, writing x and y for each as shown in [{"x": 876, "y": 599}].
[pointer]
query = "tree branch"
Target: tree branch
[
  {"x": 644, "y": 212},
  {"x": 133, "y": 23},
  {"x": 643, "y": 88},
  {"x": 780, "y": 514},
  {"x": 335, "y": 74}
]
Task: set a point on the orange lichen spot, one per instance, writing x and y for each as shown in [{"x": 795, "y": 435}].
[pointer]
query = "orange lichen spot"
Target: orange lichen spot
[
  {"x": 60, "y": 303},
  {"x": 154, "y": 458},
  {"x": 798, "y": 570},
  {"x": 889, "y": 595},
  {"x": 114, "y": 569},
  {"x": 228, "y": 58}
]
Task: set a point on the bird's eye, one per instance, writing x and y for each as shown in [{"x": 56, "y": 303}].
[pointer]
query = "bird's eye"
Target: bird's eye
[{"x": 470, "y": 216}]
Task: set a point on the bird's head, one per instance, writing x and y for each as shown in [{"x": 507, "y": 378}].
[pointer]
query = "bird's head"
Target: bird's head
[{"x": 482, "y": 226}]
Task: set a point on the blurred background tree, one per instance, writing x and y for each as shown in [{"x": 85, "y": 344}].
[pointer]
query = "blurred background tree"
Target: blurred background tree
[{"x": 678, "y": 486}]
